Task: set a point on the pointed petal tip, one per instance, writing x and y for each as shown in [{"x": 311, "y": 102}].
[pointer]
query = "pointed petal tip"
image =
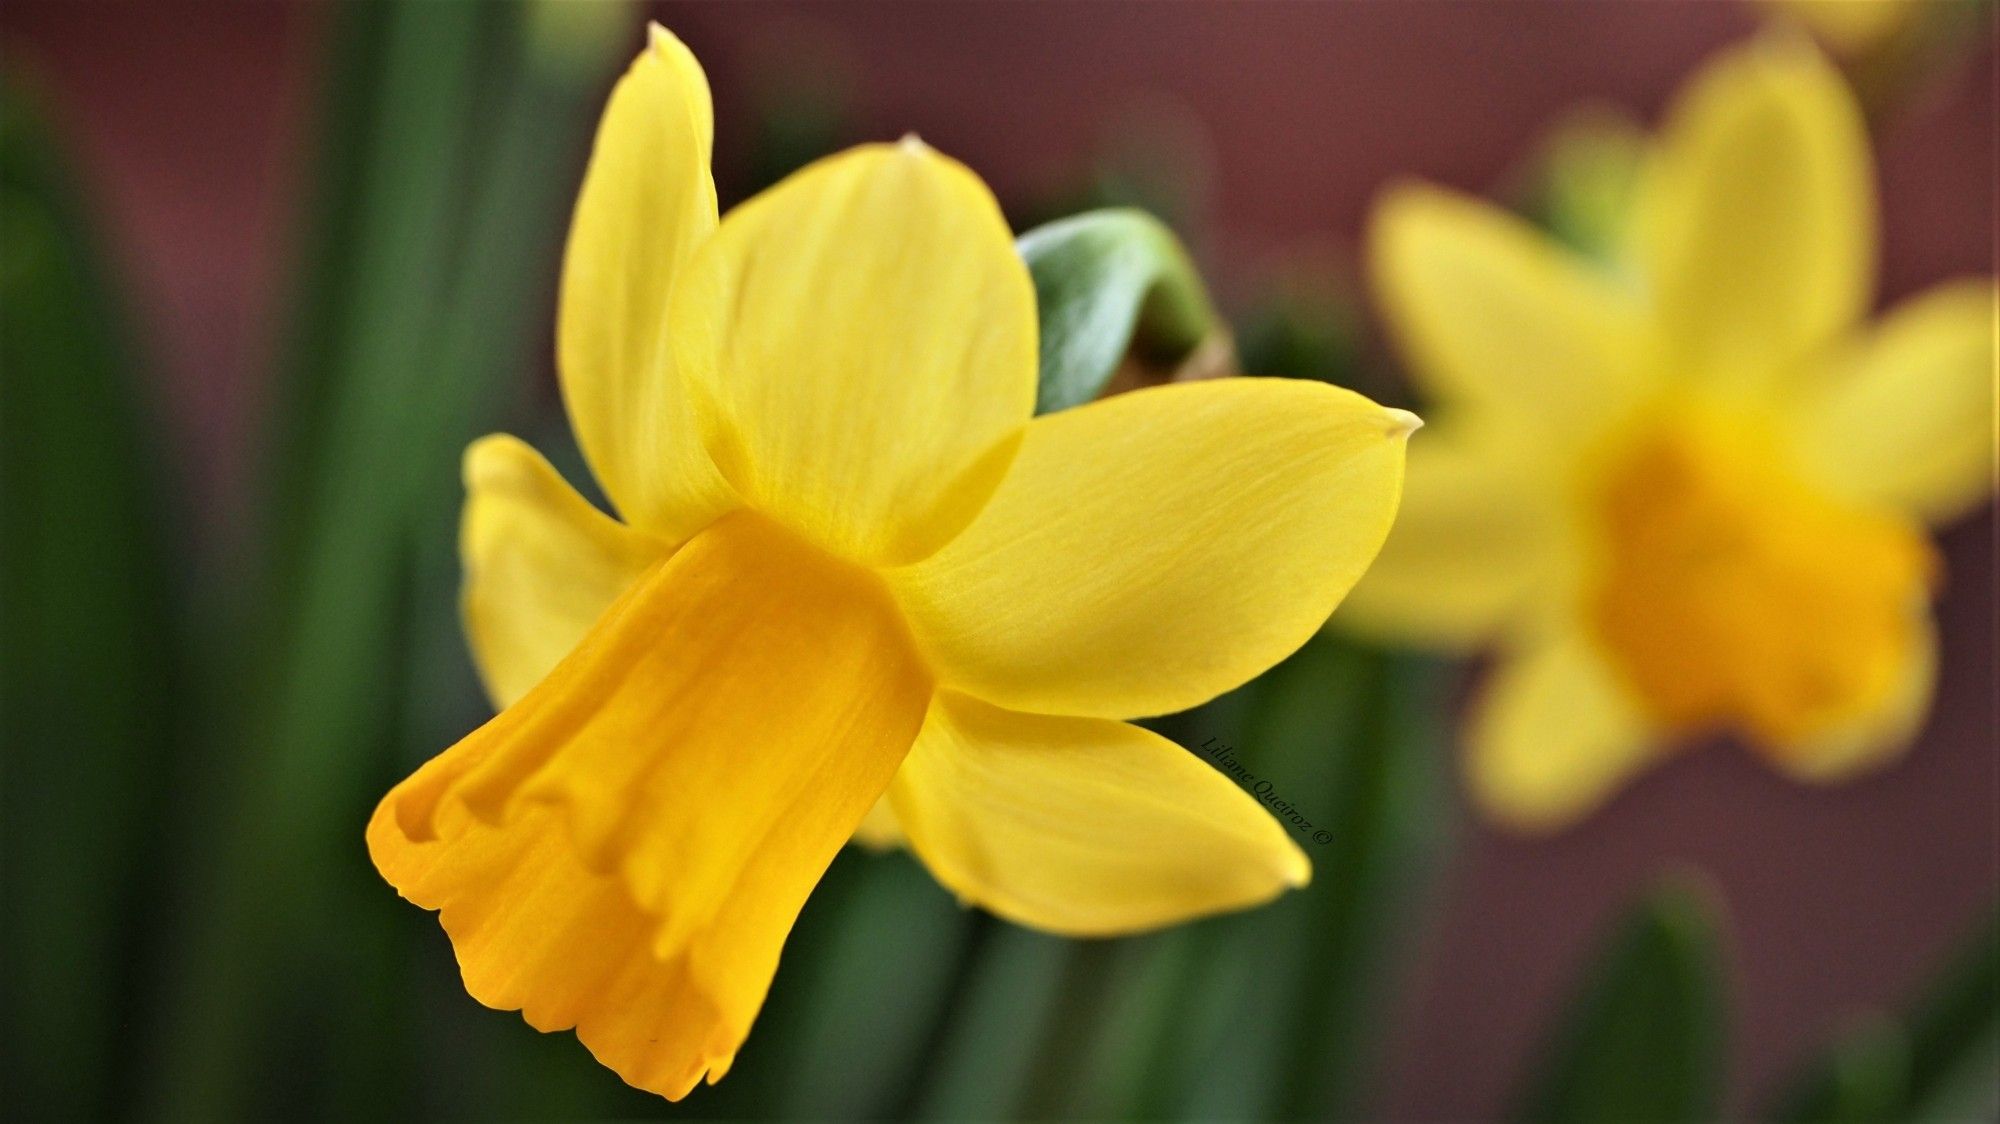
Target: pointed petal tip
[
  {"x": 1402, "y": 423},
  {"x": 1298, "y": 871},
  {"x": 662, "y": 44},
  {"x": 913, "y": 145}
]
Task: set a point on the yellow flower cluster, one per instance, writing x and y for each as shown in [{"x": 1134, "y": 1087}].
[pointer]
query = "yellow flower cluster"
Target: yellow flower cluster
[{"x": 1684, "y": 491}]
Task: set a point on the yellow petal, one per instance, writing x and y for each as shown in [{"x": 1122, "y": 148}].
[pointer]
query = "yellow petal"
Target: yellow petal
[
  {"x": 1907, "y": 421},
  {"x": 1082, "y": 826},
  {"x": 541, "y": 564},
  {"x": 1852, "y": 27},
  {"x": 537, "y": 931},
  {"x": 1476, "y": 545},
  {"x": 1881, "y": 732},
  {"x": 647, "y": 202},
  {"x": 1759, "y": 219},
  {"x": 863, "y": 336},
  {"x": 681, "y": 781},
  {"x": 1149, "y": 551},
  {"x": 880, "y": 830},
  {"x": 1491, "y": 312},
  {"x": 1552, "y": 735}
]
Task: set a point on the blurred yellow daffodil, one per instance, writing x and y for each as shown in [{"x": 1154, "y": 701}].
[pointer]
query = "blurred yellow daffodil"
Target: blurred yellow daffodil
[
  {"x": 1685, "y": 493},
  {"x": 1851, "y": 27},
  {"x": 849, "y": 565}
]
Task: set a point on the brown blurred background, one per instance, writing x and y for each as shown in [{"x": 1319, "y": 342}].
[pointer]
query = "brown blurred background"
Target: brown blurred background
[{"x": 188, "y": 120}]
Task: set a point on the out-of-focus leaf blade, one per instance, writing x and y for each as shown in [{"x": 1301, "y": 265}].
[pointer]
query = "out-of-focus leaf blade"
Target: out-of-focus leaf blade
[
  {"x": 1863, "y": 1077},
  {"x": 866, "y": 981},
  {"x": 1642, "y": 1039},
  {"x": 90, "y": 656},
  {"x": 1307, "y": 328},
  {"x": 980, "y": 1066},
  {"x": 1095, "y": 1063},
  {"x": 1288, "y": 992},
  {"x": 1939, "y": 1061},
  {"x": 1107, "y": 284},
  {"x": 1388, "y": 813},
  {"x": 451, "y": 142},
  {"x": 319, "y": 710},
  {"x": 1955, "y": 1035}
]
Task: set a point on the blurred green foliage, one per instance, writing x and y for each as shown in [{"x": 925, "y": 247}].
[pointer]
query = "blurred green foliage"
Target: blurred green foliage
[
  {"x": 1938, "y": 1060},
  {"x": 1278, "y": 1014},
  {"x": 1642, "y": 1037},
  {"x": 90, "y": 669},
  {"x": 434, "y": 230}
]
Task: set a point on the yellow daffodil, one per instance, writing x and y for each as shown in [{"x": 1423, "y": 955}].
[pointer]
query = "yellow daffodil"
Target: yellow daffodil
[
  {"x": 1851, "y": 27},
  {"x": 1685, "y": 493},
  {"x": 849, "y": 565}
]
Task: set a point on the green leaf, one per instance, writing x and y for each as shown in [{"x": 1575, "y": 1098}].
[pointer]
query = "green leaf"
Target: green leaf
[
  {"x": 91, "y": 648},
  {"x": 1388, "y": 808},
  {"x": 1955, "y": 1035},
  {"x": 1643, "y": 1037},
  {"x": 1107, "y": 284},
  {"x": 1938, "y": 1061},
  {"x": 982, "y": 1061}
]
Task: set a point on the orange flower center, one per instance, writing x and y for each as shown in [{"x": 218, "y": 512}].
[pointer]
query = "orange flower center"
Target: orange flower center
[{"x": 1735, "y": 595}]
